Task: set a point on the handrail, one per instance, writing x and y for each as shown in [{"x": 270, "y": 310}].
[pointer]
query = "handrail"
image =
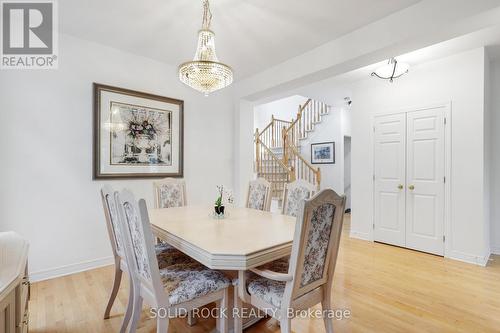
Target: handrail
[
  {"x": 271, "y": 135},
  {"x": 290, "y": 151},
  {"x": 265, "y": 128},
  {"x": 282, "y": 120},
  {"x": 299, "y": 115},
  {"x": 315, "y": 178},
  {"x": 273, "y": 155},
  {"x": 296, "y": 152}
]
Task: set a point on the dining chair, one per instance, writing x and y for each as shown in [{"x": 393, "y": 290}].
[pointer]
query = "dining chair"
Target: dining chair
[
  {"x": 259, "y": 194},
  {"x": 166, "y": 255},
  {"x": 308, "y": 279},
  {"x": 176, "y": 289},
  {"x": 293, "y": 195},
  {"x": 170, "y": 192}
]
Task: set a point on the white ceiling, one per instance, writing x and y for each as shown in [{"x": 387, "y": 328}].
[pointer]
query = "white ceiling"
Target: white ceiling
[{"x": 251, "y": 35}]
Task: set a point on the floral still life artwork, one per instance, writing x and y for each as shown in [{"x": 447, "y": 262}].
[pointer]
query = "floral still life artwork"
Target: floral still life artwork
[
  {"x": 140, "y": 135},
  {"x": 137, "y": 134}
]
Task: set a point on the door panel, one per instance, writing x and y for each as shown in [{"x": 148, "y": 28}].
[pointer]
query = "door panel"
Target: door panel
[
  {"x": 390, "y": 150},
  {"x": 425, "y": 180}
]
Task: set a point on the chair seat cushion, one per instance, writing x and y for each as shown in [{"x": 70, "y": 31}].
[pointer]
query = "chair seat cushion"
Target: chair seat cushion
[
  {"x": 168, "y": 255},
  {"x": 188, "y": 281},
  {"x": 268, "y": 290}
]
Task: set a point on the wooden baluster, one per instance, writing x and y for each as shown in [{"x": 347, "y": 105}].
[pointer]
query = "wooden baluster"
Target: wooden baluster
[
  {"x": 272, "y": 173},
  {"x": 262, "y": 156},
  {"x": 313, "y": 108},
  {"x": 307, "y": 118},
  {"x": 310, "y": 117},
  {"x": 302, "y": 115},
  {"x": 285, "y": 157},
  {"x": 272, "y": 130},
  {"x": 313, "y": 112},
  {"x": 280, "y": 135},
  {"x": 317, "y": 112}
]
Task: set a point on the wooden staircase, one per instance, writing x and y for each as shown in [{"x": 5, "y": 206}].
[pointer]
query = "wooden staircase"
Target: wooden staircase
[{"x": 277, "y": 148}]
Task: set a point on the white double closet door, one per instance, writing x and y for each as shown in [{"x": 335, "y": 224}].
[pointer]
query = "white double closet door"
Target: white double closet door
[{"x": 409, "y": 180}]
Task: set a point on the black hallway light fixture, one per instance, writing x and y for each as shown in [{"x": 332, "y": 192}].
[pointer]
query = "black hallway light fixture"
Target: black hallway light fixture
[{"x": 392, "y": 70}]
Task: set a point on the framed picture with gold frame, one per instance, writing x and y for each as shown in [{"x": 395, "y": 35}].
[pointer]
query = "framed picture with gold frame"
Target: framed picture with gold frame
[{"x": 136, "y": 134}]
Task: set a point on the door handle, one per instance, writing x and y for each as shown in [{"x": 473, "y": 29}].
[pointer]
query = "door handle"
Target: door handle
[
  {"x": 400, "y": 186},
  {"x": 411, "y": 187}
]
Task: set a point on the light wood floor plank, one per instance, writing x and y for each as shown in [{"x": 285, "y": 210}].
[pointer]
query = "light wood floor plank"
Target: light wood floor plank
[{"x": 387, "y": 289}]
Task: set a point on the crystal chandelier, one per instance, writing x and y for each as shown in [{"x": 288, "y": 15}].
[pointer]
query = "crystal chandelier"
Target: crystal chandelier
[
  {"x": 392, "y": 70},
  {"x": 205, "y": 73}
]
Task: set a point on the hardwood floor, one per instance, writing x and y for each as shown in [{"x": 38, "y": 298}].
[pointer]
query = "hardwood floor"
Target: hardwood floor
[{"x": 387, "y": 289}]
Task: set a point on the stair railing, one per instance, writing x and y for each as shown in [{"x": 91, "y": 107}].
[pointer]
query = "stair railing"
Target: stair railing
[
  {"x": 271, "y": 167},
  {"x": 272, "y": 134},
  {"x": 308, "y": 114}
]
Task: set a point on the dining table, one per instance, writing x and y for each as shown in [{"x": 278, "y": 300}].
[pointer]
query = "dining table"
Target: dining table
[{"x": 244, "y": 238}]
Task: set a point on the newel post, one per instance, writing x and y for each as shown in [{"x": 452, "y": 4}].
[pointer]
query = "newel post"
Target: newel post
[
  {"x": 299, "y": 123},
  {"x": 318, "y": 179},
  {"x": 285, "y": 153}
]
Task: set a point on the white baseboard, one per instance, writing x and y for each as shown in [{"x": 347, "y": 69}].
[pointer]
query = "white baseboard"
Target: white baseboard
[
  {"x": 360, "y": 235},
  {"x": 469, "y": 258},
  {"x": 495, "y": 250},
  {"x": 70, "y": 269}
]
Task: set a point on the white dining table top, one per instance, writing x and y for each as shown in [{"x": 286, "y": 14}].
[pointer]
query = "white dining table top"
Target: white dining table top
[{"x": 245, "y": 238}]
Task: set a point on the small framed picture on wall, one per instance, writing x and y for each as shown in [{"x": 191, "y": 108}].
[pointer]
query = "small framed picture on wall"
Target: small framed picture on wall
[{"x": 323, "y": 153}]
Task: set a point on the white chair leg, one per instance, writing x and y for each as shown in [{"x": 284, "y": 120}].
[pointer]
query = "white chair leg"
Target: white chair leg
[
  {"x": 238, "y": 321},
  {"x": 326, "y": 305},
  {"x": 191, "y": 320},
  {"x": 136, "y": 315},
  {"x": 286, "y": 325},
  {"x": 162, "y": 325},
  {"x": 116, "y": 287},
  {"x": 130, "y": 308},
  {"x": 223, "y": 319}
]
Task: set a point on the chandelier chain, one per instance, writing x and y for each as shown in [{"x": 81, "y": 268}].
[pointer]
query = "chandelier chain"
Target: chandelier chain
[{"x": 207, "y": 15}]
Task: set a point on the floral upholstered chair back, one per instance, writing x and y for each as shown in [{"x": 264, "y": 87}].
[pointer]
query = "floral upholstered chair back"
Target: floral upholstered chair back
[
  {"x": 316, "y": 242},
  {"x": 294, "y": 194},
  {"x": 170, "y": 192},
  {"x": 138, "y": 239},
  {"x": 111, "y": 216},
  {"x": 259, "y": 194}
]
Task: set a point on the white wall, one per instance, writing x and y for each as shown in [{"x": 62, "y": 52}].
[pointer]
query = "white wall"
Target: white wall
[
  {"x": 330, "y": 129},
  {"x": 48, "y": 195},
  {"x": 487, "y": 151},
  {"x": 283, "y": 109},
  {"x": 460, "y": 79},
  {"x": 495, "y": 156},
  {"x": 347, "y": 171}
]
